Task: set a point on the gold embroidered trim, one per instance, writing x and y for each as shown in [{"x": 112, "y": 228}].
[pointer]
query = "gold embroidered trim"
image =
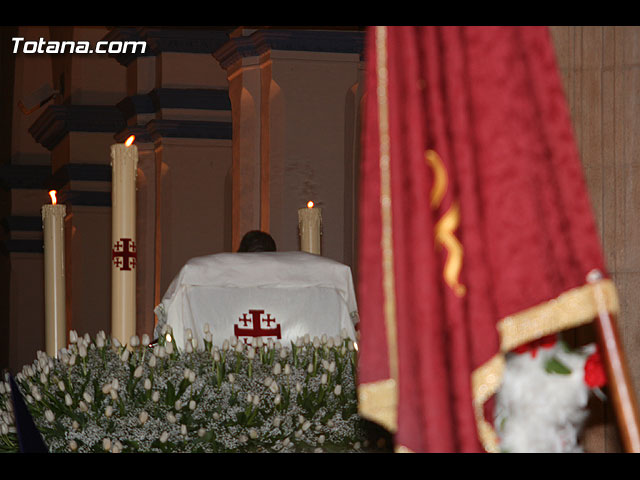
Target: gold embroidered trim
[
  {"x": 378, "y": 401},
  {"x": 571, "y": 309},
  {"x": 385, "y": 201},
  {"x": 485, "y": 382}
]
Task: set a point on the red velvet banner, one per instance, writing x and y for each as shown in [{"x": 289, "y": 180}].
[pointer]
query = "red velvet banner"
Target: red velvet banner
[{"x": 476, "y": 230}]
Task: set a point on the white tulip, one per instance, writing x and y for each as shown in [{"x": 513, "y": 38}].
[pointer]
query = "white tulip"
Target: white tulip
[
  {"x": 145, "y": 339},
  {"x": 256, "y": 400},
  {"x": 147, "y": 384},
  {"x": 276, "y": 400},
  {"x": 155, "y": 396},
  {"x": 287, "y": 369},
  {"x": 152, "y": 361},
  {"x": 178, "y": 404},
  {"x": 143, "y": 417},
  {"x": 134, "y": 341},
  {"x": 73, "y": 336},
  {"x": 188, "y": 348},
  {"x": 73, "y": 445},
  {"x": 321, "y": 439},
  {"x": 125, "y": 355},
  {"x": 277, "y": 421},
  {"x": 75, "y": 425},
  {"x": 277, "y": 369},
  {"x": 117, "y": 447},
  {"x": 201, "y": 432},
  {"x": 231, "y": 378},
  {"x": 160, "y": 351},
  {"x": 115, "y": 385},
  {"x": 310, "y": 368},
  {"x": 48, "y": 414},
  {"x": 67, "y": 400},
  {"x": 82, "y": 351},
  {"x": 83, "y": 406},
  {"x": 171, "y": 418},
  {"x": 225, "y": 345},
  {"x": 106, "y": 444},
  {"x": 169, "y": 348},
  {"x": 274, "y": 387},
  {"x": 337, "y": 390},
  {"x": 137, "y": 373},
  {"x": 192, "y": 405},
  {"x": 183, "y": 429},
  {"x": 253, "y": 433}
]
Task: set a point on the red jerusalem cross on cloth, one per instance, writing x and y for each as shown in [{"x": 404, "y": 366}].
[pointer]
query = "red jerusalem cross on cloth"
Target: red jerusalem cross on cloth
[
  {"x": 476, "y": 230},
  {"x": 256, "y": 329},
  {"x": 124, "y": 254}
]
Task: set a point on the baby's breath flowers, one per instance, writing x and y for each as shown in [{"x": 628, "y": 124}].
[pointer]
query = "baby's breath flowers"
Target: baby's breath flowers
[{"x": 101, "y": 396}]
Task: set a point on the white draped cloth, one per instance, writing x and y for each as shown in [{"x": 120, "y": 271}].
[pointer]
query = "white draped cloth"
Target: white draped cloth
[{"x": 273, "y": 295}]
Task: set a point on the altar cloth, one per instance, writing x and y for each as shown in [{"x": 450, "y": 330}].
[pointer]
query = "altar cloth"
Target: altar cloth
[{"x": 277, "y": 295}]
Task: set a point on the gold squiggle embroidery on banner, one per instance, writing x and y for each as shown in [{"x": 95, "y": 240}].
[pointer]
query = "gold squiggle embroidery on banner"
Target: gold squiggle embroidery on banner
[
  {"x": 379, "y": 400},
  {"x": 440, "y": 178},
  {"x": 445, "y": 237},
  {"x": 447, "y": 225}
]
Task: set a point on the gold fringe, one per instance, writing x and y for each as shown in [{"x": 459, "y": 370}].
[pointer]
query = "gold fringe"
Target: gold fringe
[
  {"x": 485, "y": 382},
  {"x": 378, "y": 402},
  {"x": 571, "y": 309}
]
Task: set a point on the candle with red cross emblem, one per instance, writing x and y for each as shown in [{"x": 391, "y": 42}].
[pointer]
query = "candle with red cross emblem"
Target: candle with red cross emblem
[
  {"x": 310, "y": 228},
  {"x": 54, "y": 282},
  {"x": 124, "y": 163}
]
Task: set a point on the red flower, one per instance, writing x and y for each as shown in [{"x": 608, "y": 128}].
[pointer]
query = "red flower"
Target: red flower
[
  {"x": 532, "y": 347},
  {"x": 594, "y": 374}
]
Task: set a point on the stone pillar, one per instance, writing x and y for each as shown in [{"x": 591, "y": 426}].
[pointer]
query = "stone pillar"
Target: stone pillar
[{"x": 293, "y": 98}]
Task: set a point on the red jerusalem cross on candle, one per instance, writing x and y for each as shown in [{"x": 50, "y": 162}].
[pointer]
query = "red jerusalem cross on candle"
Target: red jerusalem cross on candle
[
  {"x": 256, "y": 329},
  {"x": 124, "y": 254}
]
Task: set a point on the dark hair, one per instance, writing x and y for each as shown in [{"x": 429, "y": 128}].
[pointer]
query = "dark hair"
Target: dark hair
[{"x": 257, "y": 241}]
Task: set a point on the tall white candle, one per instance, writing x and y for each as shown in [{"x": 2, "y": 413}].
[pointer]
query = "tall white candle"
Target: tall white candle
[
  {"x": 124, "y": 162},
  {"x": 54, "y": 282},
  {"x": 310, "y": 228}
]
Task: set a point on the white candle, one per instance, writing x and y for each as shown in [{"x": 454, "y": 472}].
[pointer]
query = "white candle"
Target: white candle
[
  {"x": 54, "y": 281},
  {"x": 310, "y": 228},
  {"x": 124, "y": 162}
]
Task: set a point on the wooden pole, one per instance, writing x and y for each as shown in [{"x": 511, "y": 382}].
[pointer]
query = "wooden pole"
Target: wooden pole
[{"x": 622, "y": 393}]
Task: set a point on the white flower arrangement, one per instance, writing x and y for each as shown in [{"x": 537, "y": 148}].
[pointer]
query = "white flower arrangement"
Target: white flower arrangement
[
  {"x": 541, "y": 406},
  {"x": 101, "y": 396}
]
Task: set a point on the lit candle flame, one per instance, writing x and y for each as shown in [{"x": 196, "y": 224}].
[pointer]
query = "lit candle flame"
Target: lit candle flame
[
  {"x": 129, "y": 141},
  {"x": 309, "y": 204},
  {"x": 52, "y": 194}
]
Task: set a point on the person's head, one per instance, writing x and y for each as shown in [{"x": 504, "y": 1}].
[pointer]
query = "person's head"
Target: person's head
[{"x": 257, "y": 241}]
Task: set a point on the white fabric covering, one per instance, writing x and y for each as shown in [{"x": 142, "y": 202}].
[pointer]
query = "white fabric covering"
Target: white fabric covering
[{"x": 304, "y": 293}]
